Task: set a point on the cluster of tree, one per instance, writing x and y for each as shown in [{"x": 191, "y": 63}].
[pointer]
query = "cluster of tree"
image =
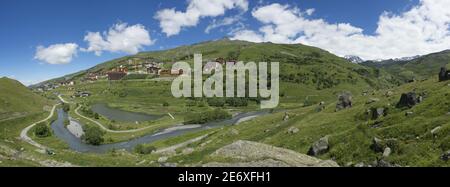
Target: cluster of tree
[
  {"x": 42, "y": 130},
  {"x": 138, "y": 77},
  {"x": 143, "y": 149},
  {"x": 66, "y": 107},
  {"x": 89, "y": 113},
  {"x": 93, "y": 135},
  {"x": 231, "y": 101},
  {"x": 205, "y": 117}
]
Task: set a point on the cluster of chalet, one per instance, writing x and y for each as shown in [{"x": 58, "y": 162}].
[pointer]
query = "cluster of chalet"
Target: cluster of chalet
[
  {"x": 141, "y": 67},
  {"x": 52, "y": 86},
  {"x": 444, "y": 74}
]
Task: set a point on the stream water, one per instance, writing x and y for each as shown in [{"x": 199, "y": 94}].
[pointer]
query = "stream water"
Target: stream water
[
  {"x": 78, "y": 145},
  {"x": 121, "y": 115}
]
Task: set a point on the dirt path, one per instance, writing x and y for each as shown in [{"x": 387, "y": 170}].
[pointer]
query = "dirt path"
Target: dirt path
[
  {"x": 24, "y": 133},
  {"x": 62, "y": 100}
]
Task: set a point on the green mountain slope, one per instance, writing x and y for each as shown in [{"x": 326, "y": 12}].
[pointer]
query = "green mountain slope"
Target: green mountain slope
[
  {"x": 419, "y": 68},
  {"x": 17, "y": 100},
  {"x": 302, "y": 67}
]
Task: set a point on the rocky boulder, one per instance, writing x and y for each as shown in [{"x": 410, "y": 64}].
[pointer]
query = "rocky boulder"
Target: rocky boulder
[
  {"x": 444, "y": 75},
  {"x": 383, "y": 163},
  {"x": 446, "y": 156},
  {"x": 387, "y": 152},
  {"x": 286, "y": 117},
  {"x": 344, "y": 101},
  {"x": 254, "y": 154},
  {"x": 389, "y": 94},
  {"x": 408, "y": 100},
  {"x": 377, "y": 145},
  {"x": 319, "y": 147},
  {"x": 293, "y": 130},
  {"x": 378, "y": 112}
]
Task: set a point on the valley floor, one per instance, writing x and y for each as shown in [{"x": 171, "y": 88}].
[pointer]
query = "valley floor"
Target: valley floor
[{"x": 416, "y": 136}]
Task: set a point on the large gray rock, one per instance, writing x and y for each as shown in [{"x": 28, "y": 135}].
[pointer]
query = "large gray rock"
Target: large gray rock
[
  {"x": 408, "y": 100},
  {"x": 319, "y": 147},
  {"x": 344, "y": 101},
  {"x": 446, "y": 156},
  {"x": 254, "y": 154},
  {"x": 444, "y": 75},
  {"x": 377, "y": 145}
]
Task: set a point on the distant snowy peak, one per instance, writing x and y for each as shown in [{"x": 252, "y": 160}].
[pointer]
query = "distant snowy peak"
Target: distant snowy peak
[
  {"x": 406, "y": 58},
  {"x": 354, "y": 59},
  {"x": 357, "y": 60}
]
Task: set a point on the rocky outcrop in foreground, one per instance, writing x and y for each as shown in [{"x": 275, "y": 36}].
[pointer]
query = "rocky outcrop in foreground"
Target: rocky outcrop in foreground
[{"x": 253, "y": 154}]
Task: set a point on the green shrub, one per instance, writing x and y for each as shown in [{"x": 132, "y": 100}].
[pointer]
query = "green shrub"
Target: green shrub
[
  {"x": 96, "y": 116},
  {"x": 165, "y": 104},
  {"x": 205, "y": 117},
  {"x": 237, "y": 102},
  {"x": 66, "y": 122},
  {"x": 66, "y": 107},
  {"x": 216, "y": 102},
  {"x": 42, "y": 130},
  {"x": 93, "y": 135},
  {"x": 142, "y": 149}
]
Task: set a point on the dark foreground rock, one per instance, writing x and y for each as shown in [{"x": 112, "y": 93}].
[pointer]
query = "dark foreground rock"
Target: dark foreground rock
[
  {"x": 408, "y": 100},
  {"x": 377, "y": 145},
  {"x": 253, "y": 154},
  {"x": 446, "y": 156},
  {"x": 319, "y": 147},
  {"x": 444, "y": 74}
]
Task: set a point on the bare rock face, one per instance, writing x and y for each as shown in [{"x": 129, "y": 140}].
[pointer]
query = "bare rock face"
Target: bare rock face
[
  {"x": 319, "y": 147},
  {"x": 253, "y": 154}
]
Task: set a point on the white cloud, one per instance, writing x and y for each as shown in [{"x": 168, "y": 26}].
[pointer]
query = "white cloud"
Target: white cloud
[
  {"x": 223, "y": 22},
  {"x": 248, "y": 35},
  {"x": 57, "y": 53},
  {"x": 423, "y": 29},
  {"x": 171, "y": 21},
  {"x": 119, "y": 38}
]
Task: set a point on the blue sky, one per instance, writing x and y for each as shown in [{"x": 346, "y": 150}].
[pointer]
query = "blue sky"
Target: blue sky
[{"x": 28, "y": 24}]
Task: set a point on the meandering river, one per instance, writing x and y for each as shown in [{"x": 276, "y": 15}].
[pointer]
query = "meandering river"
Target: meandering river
[{"x": 78, "y": 145}]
